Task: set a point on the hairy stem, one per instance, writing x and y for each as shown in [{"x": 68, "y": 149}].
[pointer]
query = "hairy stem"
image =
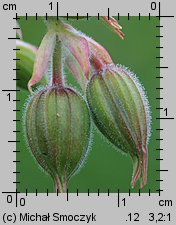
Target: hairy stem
[
  {"x": 57, "y": 78},
  {"x": 55, "y": 24}
]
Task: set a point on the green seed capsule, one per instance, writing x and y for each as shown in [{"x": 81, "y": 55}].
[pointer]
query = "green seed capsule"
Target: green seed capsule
[
  {"x": 57, "y": 127},
  {"x": 120, "y": 111}
]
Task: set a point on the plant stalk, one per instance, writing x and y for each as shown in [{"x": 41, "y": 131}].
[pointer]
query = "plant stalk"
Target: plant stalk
[
  {"x": 57, "y": 79},
  {"x": 55, "y": 24}
]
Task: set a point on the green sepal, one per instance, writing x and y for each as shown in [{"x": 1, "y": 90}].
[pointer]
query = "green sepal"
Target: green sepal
[{"x": 26, "y": 55}]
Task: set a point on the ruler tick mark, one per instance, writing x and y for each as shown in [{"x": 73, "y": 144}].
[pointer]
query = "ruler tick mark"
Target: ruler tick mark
[
  {"x": 149, "y": 192},
  {"x": 139, "y": 192},
  {"x": 57, "y": 10},
  {"x": 14, "y": 38},
  {"x": 16, "y": 18},
  {"x": 162, "y": 67},
  {"x": 165, "y": 118},
  {"x": 139, "y": 16},
  {"x": 67, "y": 194},
  {"x": 118, "y": 198},
  {"x": 118, "y": 16}
]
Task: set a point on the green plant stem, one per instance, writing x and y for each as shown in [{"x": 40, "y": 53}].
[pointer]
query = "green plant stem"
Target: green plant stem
[
  {"x": 56, "y": 25},
  {"x": 57, "y": 78}
]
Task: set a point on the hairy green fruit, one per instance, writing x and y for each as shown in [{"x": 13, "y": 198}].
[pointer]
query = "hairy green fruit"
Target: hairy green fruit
[
  {"x": 121, "y": 112},
  {"x": 57, "y": 127}
]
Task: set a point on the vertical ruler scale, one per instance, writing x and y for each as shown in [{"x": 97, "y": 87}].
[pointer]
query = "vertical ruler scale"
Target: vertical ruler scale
[
  {"x": 163, "y": 110},
  {"x": 167, "y": 111},
  {"x": 8, "y": 90},
  {"x": 22, "y": 201}
]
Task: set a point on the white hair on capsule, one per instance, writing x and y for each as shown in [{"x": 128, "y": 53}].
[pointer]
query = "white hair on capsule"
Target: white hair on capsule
[{"x": 142, "y": 92}]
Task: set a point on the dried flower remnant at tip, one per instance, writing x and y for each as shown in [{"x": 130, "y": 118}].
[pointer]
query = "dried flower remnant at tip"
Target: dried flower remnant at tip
[
  {"x": 110, "y": 22},
  {"x": 113, "y": 25}
]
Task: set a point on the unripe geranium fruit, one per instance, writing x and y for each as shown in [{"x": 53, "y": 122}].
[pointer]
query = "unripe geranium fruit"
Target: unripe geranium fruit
[
  {"x": 57, "y": 127},
  {"x": 120, "y": 110}
]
